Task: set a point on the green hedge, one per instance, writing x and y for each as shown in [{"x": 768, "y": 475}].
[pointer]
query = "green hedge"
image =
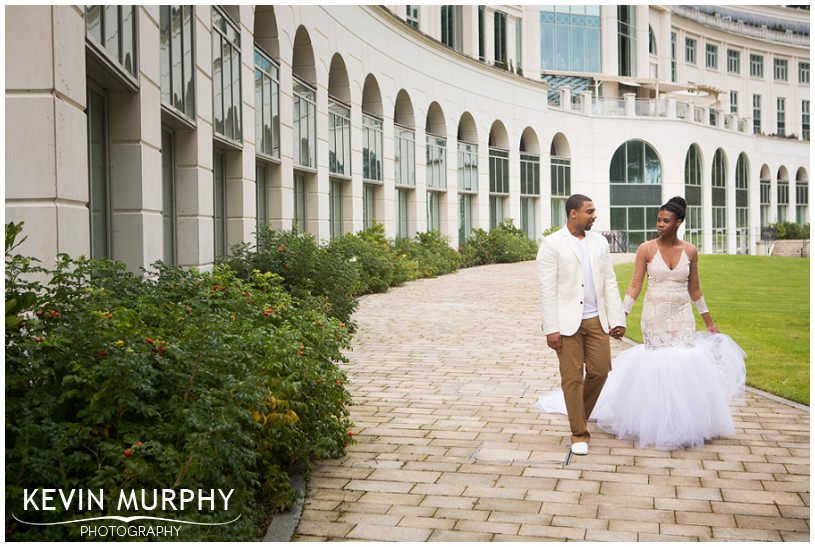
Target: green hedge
[
  {"x": 790, "y": 230},
  {"x": 183, "y": 380}
]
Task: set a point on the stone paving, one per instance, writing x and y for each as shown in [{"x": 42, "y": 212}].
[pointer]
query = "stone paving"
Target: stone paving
[{"x": 449, "y": 448}]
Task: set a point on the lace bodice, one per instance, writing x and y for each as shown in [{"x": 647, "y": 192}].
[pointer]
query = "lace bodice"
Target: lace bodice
[{"x": 667, "y": 316}]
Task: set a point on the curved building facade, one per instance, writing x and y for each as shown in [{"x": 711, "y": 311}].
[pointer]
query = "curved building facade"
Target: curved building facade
[{"x": 170, "y": 132}]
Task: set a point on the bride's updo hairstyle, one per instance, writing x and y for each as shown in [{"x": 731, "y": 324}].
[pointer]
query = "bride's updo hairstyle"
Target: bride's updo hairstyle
[{"x": 677, "y": 206}]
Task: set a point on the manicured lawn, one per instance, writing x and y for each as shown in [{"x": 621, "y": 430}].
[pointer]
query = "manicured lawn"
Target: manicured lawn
[{"x": 763, "y": 304}]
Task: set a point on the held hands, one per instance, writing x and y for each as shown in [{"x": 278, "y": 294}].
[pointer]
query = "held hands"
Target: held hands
[
  {"x": 553, "y": 341},
  {"x": 617, "y": 332}
]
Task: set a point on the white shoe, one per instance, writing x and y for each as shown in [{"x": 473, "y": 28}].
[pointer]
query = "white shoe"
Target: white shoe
[{"x": 580, "y": 449}]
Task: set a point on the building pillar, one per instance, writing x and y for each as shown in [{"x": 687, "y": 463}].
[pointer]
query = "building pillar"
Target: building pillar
[{"x": 47, "y": 155}]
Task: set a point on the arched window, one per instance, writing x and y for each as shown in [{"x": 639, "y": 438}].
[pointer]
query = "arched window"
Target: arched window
[
  {"x": 530, "y": 182},
  {"x": 742, "y": 204},
  {"x": 499, "y": 173},
  {"x": 436, "y": 165},
  {"x": 802, "y": 197},
  {"x": 719, "y": 201},
  {"x": 636, "y": 191},
  {"x": 561, "y": 178},
  {"x": 693, "y": 195},
  {"x": 765, "y": 189},
  {"x": 783, "y": 192}
]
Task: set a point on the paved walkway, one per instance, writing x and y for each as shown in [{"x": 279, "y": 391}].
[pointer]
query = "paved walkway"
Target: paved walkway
[{"x": 444, "y": 374}]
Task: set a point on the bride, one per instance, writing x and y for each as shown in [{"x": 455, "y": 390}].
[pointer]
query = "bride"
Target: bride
[{"x": 674, "y": 390}]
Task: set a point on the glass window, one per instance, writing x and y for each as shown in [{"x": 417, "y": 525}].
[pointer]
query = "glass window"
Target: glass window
[
  {"x": 219, "y": 201},
  {"x": 781, "y": 115},
  {"x": 801, "y": 202},
  {"x": 452, "y": 27},
  {"x": 530, "y": 174},
  {"x": 299, "y": 203},
  {"x": 98, "y": 174},
  {"x": 719, "y": 203},
  {"x": 561, "y": 188},
  {"x": 499, "y": 171},
  {"x": 636, "y": 191},
  {"x": 756, "y": 66},
  {"x": 805, "y": 119},
  {"x": 368, "y": 205},
  {"x": 339, "y": 138},
  {"x": 733, "y": 61},
  {"x": 412, "y": 16},
  {"x": 267, "y": 106},
  {"x": 335, "y": 208},
  {"x": 519, "y": 50},
  {"x": 433, "y": 211},
  {"x": 626, "y": 40},
  {"x": 177, "y": 63},
  {"x": 304, "y": 112},
  {"x": 690, "y": 51},
  {"x": 261, "y": 196},
  {"x": 467, "y": 167},
  {"x": 693, "y": 196},
  {"x": 496, "y": 210},
  {"x": 168, "y": 215},
  {"x": 465, "y": 223},
  {"x": 734, "y": 102},
  {"x": 482, "y": 33},
  {"x": 765, "y": 187},
  {"x": 402, "y": 197},
  {"x": 673, "y": 56},
  {"x": 529, "y": 219},
  {"x": 405, "y": 156},
  {"x": 803, "y": 72},
  {"x": 570, "y": 38},
  {"x": 783, "y": 197},
  {"x": 757, "y": 114},
  {"x": 780, "y": 69},
  {"x": 500, "y": 39},
  {"x": 436, "y": 162},
  {"x": 226, "y": 77},
  {"x": 371, "y": 148},
  {"x": 711, "y": 56},
  {"x": 112, "y": 30},
  {"x": 742, "y": 205}
]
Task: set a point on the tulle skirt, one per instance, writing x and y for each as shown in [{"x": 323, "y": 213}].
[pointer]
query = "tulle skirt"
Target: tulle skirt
[{"x": 669, "y": 397}]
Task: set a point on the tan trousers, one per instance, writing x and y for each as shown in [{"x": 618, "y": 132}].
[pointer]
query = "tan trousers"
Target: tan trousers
[{"x": 589, "y": 345}]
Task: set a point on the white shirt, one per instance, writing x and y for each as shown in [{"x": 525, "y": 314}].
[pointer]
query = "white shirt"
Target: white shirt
[{"x": 589, "y": 296}]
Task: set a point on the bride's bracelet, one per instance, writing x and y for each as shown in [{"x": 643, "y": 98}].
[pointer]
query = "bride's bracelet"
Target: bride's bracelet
[
  {"x": 701, "y": 307},
  {"x": 628, "y": 304}
]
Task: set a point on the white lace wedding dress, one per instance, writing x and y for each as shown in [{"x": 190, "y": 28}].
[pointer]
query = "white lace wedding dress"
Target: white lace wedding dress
[{"x": 674, "y": 390}]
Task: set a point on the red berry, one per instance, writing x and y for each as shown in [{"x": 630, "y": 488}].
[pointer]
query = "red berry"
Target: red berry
[
  {"x": 39, "y": 313},
  {"x": 300, "y": 353},
  {"x": 138, "y": 443},
  {"x": 103, "y": 353},
  {"x": 350, "y": 433},
  {"x": 54, "y": 313},
  {"x": 128, "y": 452},
  {"x": 338, "y": 382},
  {"x": 149, "y": 340}
]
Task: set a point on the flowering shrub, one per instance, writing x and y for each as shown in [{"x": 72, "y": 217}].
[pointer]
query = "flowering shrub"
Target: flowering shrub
[
  {"x": 185, "y": 380},
  {"x": 371, "y": 254},
  {"x": 306, "y": 269}
]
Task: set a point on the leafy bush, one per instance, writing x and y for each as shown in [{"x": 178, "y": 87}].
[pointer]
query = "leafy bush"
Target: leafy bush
[
  {"x": 504, "y": 243},
  {"x": 305, "y": 268},
  {"x": 790, "y": 230},
  {"x": 371, "y": 254},
  {"x": 186, "y": 380},
  {"x": 433, "y": 253}
]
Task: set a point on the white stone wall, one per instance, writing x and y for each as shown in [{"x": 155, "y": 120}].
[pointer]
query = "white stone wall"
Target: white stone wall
[{"x": 46, "y": 168}]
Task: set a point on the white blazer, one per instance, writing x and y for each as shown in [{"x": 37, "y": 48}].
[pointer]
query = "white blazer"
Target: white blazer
[{"x": 561, "y": 278}]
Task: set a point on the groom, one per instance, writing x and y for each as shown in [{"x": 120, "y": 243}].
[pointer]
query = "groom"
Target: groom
[{"x": 579, "y": 300}]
